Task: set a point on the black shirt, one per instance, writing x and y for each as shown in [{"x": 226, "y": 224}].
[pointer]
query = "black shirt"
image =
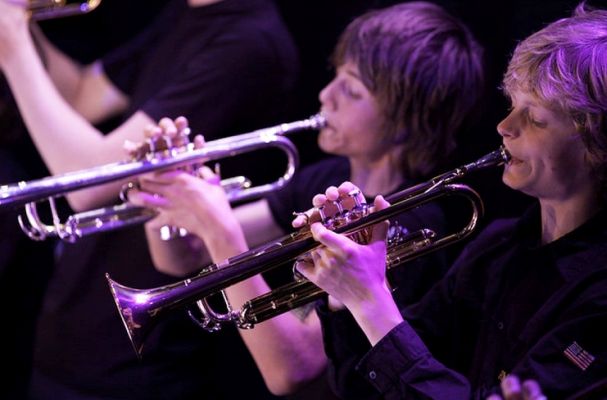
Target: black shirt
[
  {"x": 481, "y": 319},
  {"x": 224, "y": 66}
]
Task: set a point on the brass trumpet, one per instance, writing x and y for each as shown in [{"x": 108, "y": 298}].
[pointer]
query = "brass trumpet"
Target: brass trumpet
[
  {"x": 141, "y": 308},
  {"x": 49, "y": 9},
  {"x": 166, "y": 154}
]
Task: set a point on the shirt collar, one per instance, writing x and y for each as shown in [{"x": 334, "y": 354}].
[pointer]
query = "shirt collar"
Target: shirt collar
[{"x": 574, "y": 251}]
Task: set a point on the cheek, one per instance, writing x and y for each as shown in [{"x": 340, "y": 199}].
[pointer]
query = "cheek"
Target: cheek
[
  {"x": 566, "y": 165},
  {"x": 565, "y": 154}
]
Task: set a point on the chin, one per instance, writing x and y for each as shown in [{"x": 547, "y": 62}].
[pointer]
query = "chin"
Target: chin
[
  {"x": 324, "y": 148},
  {"x": 328, "y": 146},
  {"x": 519, "y": 185},
  {"x": 510, "y": 181}
]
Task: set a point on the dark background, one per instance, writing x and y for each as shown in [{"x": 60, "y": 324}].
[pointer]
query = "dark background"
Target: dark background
[{"x": 315, "y": 25}]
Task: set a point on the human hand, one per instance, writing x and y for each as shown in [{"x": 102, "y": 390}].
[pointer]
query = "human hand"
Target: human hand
[
  {"x": 194, "y": 203},
  {"x": 192, "y": 200},
  {"x": 352, "y": 273},
  {"x": 512, "y": 389},
  {"x": 153, "y": 134},
  {"x": 176, "y": 131},
  {"x": 324, "y": 205}
]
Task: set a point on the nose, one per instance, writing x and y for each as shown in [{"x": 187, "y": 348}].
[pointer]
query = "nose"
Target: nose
[
  {"x": 326, "y": 97},
  {"x": 507, "y": 127}
]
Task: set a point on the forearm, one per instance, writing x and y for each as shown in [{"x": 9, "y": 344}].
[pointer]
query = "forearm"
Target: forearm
[
  {"x": 205, "y": 243},
  {"x": 55, "y": 127},
  {"x": 400, "y": 366},
  {"x": 65, "y": 72},
  {"x": 64, "y": 139},
  {"x": 287, "y": 349},
  {"x": 376, "y": 316},
  {"x": 180, "y": 256},
  {"x": 85, "y": 88}
]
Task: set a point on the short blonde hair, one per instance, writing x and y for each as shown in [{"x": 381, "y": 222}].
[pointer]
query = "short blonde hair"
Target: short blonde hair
[{"x": 564, "y": 65}]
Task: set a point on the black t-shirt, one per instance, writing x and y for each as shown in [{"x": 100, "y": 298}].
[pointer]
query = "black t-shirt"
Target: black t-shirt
[
  {"x": 218, "y": 65},
  {"x": 234, "y": 77},
  {"x": 225, "y": 66},
  {"x": 494, "y": 313}
]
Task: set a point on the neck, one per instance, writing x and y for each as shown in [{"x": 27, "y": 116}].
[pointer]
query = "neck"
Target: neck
[
  {"x": 560, "y": 217},
  {"x": 373, "y": 177}
]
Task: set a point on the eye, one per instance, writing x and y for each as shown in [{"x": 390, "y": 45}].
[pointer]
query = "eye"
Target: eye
[
  {"x": 533, "y": 121},
  {"x": 536, "y": 122},
  {"x": 349, "y": 91}
]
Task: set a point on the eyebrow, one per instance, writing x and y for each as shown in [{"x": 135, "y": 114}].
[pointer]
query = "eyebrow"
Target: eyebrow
[{"x": 352, "y": 73}]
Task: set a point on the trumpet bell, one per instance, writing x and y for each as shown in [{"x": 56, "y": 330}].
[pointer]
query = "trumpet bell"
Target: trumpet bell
[{"x": 134, "y": 317}]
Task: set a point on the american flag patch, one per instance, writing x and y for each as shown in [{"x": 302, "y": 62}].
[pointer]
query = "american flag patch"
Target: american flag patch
[{"x": 578, "y": 356}]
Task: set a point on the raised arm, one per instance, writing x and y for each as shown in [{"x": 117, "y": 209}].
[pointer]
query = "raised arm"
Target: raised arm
[
  {"x": 66, "y": 139},
  {"x": 76, "y": 82}
]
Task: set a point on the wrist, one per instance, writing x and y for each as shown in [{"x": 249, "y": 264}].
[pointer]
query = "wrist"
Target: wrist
[
  {"x": 378, "y": 315},
  {"x": 224, "y": 241}
]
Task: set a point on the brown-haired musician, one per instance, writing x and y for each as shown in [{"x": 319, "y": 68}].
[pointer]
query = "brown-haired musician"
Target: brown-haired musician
[{"x": 392, "y": 112}]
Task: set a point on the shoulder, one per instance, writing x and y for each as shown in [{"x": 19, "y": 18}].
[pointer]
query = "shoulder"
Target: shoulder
[
  {"x": 488, "y": 244},
  {"x": 495, "y": 232},
  {"x": 331, "y": 169}
]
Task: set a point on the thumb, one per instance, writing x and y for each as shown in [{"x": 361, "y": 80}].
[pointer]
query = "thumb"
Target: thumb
[
  {"x": 306, "y": 268},
  {"x": 333, "y": 241},
  {"x": 208, "y": 175},
  {"x": 380, "y": 230}
]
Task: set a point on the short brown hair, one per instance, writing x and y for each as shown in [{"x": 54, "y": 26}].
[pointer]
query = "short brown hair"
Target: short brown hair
[{"x": 425, "y": 69}]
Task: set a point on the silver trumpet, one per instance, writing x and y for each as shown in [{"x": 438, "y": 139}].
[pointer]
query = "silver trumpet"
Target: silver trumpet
[
  {"x": 140, "y": 309},
  {"x": 162, "y": 153}
]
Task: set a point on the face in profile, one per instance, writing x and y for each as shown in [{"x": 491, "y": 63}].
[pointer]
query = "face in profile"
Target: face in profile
[
  {"x": 353, "y": 115},
  {"x": 548, "y": 154}
]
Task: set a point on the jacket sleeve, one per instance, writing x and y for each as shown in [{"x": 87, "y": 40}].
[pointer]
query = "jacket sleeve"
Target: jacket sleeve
[{"x": 400, "y": 366}]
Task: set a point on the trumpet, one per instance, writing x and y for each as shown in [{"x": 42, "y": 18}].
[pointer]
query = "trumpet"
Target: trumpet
[
  {"x": 49, "y": 9},
  {"x": 163, "y": 153},
  {"x": 140, "y": 309}
]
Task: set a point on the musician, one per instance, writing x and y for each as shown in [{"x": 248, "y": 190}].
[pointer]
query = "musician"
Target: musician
[
  {"x": 227, "y": 66},
  {"x": 407, "y": 77},
  {"x": 527, "y": 297}
]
